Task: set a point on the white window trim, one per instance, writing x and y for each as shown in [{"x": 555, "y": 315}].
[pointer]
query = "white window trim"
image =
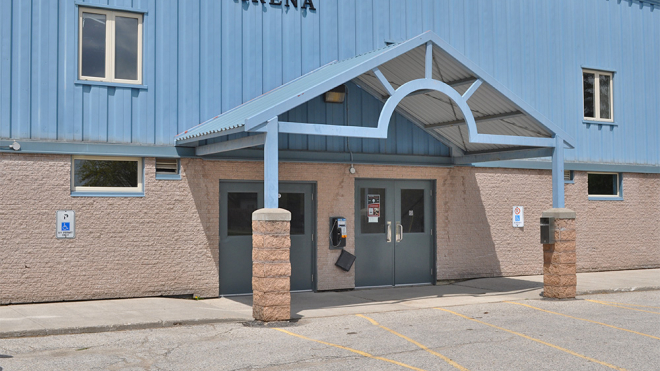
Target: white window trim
[
  {"x": 597, "y": 73},
  {"x": 110, "y": 45},
  {"x": 618, "y": 183},
  {"x": 122, "y": 190}
]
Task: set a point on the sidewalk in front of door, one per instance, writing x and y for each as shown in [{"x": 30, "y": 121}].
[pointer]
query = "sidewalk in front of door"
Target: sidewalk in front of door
[{"x": 127, "y": 314}]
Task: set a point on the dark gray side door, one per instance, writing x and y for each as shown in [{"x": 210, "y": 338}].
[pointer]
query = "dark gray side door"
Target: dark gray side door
[
  {"x": 396, "y": 246},
  {"x": 238, "y": 200}
]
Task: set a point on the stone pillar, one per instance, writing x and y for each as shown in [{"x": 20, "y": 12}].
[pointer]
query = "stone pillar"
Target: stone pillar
[
  {"x": 271, "y": 267},
  {"x": 559, "y": 274}
]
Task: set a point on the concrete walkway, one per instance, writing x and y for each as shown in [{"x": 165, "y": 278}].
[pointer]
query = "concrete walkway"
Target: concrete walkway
[{"x": 123, "y": 314}]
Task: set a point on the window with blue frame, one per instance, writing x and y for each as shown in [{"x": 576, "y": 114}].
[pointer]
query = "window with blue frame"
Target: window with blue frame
[
  {"x": 106, "y": 175},
  {"x": 598, "y": 97},
  {"x": 604, "y": 185},
  {"x": 110, "y": 46}
]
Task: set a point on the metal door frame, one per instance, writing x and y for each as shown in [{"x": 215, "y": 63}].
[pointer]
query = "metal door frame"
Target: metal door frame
[
  {"x": 313, "y": 223},
  {"x": 434, "y": 229}
]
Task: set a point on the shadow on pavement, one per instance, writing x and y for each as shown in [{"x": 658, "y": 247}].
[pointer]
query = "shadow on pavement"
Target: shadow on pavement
[{"x": 328, "y": 303}]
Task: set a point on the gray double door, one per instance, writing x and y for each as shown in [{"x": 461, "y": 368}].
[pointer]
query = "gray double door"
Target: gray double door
[
  {"x": 238, "y": 200},
  {"x": 393, "y": 232}
]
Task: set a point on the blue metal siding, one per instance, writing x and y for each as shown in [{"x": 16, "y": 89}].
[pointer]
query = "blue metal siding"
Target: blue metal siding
[{"x": 202, "y": 58}]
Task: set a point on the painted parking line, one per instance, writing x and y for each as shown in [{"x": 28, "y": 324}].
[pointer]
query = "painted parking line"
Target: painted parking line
[
  {"x": 629, "y": 305},
  {"x": 444, "y": 358},
  {"x": 583, "y": 319},
  {"x": 620, "y": 306},
  {"x": 365, "y": 354},
  {"x": 536, "y": 340}
]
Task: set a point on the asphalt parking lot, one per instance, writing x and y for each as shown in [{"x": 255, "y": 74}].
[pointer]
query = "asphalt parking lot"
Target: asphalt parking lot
[{"x": 594, "y": 332}]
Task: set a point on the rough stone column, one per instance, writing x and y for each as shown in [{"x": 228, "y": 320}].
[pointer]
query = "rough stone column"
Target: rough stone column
[
  {"x": 559, "y": 274},
  {"x": 271, "y": 267}
]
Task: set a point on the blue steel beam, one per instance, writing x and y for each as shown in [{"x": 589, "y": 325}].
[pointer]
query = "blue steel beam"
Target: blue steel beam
[
  {"x": 428, "y": 63},
  {"x": 475, "y": 85},
  {"x": 322, "y": 86},
  {"x": 380, "y": 132},
  {"x": 230, "y": 145},
  {"x": 474, "y": 136},
  {"x": 332, "y": 130},
  {"x": 505, "y": 155},
  {"x": 255, "y": 121},
  {"x": 271, "y": 165},
  {"x": 386, "y": 84},
  {"x": 194, "y": 140},
  {"x": 483, "y": 75},
  {"x": 558, "y": 174},
  {"x": 455, "y": 149},
  {"x": 387, "y": 55}
]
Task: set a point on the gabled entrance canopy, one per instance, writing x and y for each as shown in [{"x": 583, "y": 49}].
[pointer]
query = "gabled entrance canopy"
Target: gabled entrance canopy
[{"x": 436, "y": 82}]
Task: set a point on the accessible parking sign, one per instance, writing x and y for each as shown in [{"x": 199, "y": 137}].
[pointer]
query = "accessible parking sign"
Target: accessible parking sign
[{"x": 66, "y": 224}]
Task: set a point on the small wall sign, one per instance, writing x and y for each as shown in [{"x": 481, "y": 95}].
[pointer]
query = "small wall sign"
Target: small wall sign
[
  {"x": 373, "y": 205},
  {"x": 518, "y": 216},
  {"x": 66, "y": 224}
]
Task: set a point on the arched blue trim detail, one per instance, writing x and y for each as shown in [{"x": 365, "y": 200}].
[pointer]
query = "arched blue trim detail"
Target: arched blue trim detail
[
  {"x": 460, "y": 101},
  {"x": 425, "y": 84}
]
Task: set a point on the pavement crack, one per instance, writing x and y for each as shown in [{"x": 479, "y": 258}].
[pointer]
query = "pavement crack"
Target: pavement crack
[{"x": 300, "y": 364}]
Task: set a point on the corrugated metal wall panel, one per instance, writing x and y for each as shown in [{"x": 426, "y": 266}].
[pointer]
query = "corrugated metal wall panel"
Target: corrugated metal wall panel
[
  {"x": 204, "y": 58},
  {"x": 166, "y": 70},
  {"x": 5, "y": 68},
  {"x": 188, "y": 71}
]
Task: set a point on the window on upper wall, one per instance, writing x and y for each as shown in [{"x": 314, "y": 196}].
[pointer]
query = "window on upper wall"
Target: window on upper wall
[
  {"x": 106, "y": 175},
  {"x": 109, "y": 46},
  {"x": 597, "y": 95},
  {"x": 604, "y": 185}
]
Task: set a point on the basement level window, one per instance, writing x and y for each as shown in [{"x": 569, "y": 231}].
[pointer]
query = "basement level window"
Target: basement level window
[
  {"x": 167, "y": 168},
  {"x": 106, "y": 176},
  {"x": 604, "y": 186}
]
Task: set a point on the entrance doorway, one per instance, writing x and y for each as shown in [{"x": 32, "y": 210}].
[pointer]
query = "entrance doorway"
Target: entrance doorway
[
  {"x": 238, "y": 200},
  {"x": 394, "y": 232}
]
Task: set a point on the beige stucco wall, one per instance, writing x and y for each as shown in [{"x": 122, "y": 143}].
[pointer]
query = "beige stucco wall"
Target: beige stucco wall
[
  {"x": 166, "y": 243},
  {"x": 124, "y": 246}
]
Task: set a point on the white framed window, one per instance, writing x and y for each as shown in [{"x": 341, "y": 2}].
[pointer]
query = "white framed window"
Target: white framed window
[
  {"x": 604, "y": 186},
  {"x": 597, "y": 90},
  {"x": 109, "y": 46},
  {"x": 106, "y": 175}
]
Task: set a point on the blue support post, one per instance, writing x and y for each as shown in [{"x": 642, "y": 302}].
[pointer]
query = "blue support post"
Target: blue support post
[
  {"x": 271, "y": 164},
  {"x": 428, "y": 63},
  {"x": 558, "y": 174}
]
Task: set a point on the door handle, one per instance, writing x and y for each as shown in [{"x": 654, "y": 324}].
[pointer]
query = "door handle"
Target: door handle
[
  {"x": 388, "y": 236},
  {"x": 399, "y": 232}
]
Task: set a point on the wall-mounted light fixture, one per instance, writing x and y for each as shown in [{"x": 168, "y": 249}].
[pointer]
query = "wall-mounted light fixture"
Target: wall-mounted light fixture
[
  {"x": 15, "y": 146},
  {"x": 336, "y": 95}
]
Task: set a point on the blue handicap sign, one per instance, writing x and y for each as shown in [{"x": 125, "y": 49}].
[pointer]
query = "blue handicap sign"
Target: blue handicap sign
[
  {"x": 66, "y": 226},
  {"x": 517, "y": 218}
]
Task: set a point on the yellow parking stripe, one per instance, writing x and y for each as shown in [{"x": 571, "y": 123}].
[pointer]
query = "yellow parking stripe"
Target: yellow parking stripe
[
  {"x": 536, "y": 340},
  {"x": 584, "y": 319},
  {"x": 365, "y": 354},
  {"x": 620, "y": 306},
  {"x": 625, "y": 304},
  {"x": 446, "y": 359}
]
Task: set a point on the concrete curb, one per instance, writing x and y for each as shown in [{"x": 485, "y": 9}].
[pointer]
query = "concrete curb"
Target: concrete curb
[
  {"x": 112, "y": 328},
  {"x": 613, "y": 291}
]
